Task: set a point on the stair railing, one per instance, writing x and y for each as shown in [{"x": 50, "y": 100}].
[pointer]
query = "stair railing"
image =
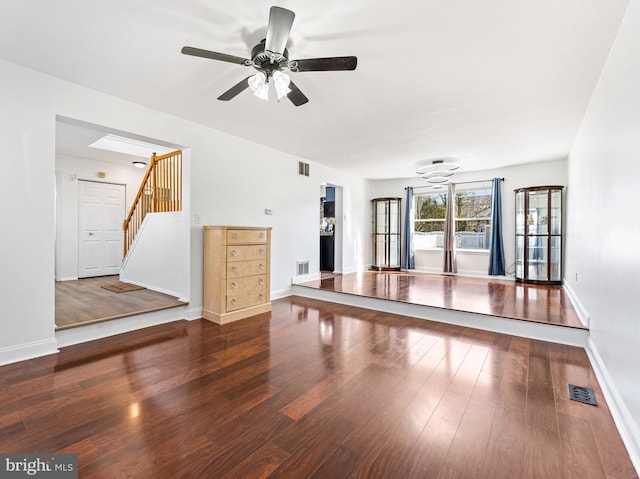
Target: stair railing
[{"x": 160, "y": 191}]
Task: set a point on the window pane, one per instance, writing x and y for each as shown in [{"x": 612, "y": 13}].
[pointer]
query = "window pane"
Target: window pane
[
  {"x": 473, "y": 203},
  {"x": 473, "y": 234},
  {"x": 430, "y": 206}
]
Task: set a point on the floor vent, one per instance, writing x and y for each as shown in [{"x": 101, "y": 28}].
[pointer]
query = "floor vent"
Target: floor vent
[
  {"x": 302, "y": 268},
  {"x": 585, "y": 395},
  {"x": 303, "y": 168}
]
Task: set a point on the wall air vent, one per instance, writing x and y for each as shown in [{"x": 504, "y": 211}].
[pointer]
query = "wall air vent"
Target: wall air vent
[
  {"x": 302, "y": 268},
  {"x": 303, "y": 168}
]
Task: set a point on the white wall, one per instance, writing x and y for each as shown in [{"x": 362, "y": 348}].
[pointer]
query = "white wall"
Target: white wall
[
  {"x": 477, "y": 263},
  {"x": 232, "y": 182},
  {"x": 603, "y": 258},
  {"x": 68, "y": 171}
]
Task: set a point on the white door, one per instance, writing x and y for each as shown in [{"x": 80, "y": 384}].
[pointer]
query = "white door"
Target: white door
[{"x": 101, "y": 210}]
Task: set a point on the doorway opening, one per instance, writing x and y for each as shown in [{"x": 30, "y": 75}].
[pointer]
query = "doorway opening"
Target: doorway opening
[
  {"x": 94, "y": 189},
  {"x": 331, "y": 229}
]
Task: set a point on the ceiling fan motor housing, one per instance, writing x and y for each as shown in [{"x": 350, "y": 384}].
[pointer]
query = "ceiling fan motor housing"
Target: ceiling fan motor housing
[{"x": 268, "y": 62}]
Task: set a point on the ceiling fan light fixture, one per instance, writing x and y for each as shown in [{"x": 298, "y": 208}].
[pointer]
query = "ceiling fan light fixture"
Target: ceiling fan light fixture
[
  {"x": 258, "y": 83},
  {"x": 281, "y": 83}
]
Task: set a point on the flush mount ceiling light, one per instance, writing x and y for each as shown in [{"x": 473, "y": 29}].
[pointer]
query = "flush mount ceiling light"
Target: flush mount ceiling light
[
  {"x": 129, "y": 146},
  {"x": 139, "y": 164}
]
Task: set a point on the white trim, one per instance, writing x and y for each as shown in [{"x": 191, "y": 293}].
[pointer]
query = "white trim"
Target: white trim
[
  {"x": 281, "y": 293},
  {"x": 621, "y": 416},
  {"x": 525, "y": 329},
  {"x": 103, "y": 329},
  {"x": 22, "y": 352},
  {"x": 70, "y": 278},
  {"x": 193, "y": 313},
  {"x": 305, "y": 277},
  {"x": 583, "y": 314}
]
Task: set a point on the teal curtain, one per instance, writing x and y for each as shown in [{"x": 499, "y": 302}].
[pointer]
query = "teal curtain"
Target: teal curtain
[
  {"x": 496, "y": 248},
  {"x": 408, "y": 258}
]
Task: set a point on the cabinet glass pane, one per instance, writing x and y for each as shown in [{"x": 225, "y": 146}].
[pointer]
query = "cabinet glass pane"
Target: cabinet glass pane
[
  {"x": 537, "y": 215},
  {"x": 556, "y": 248},
  {"x": 381, "y": 250},
  {"x": 394, "y": 258},
  {"x": 537, "y": 258},
  {"x": 556, "y": 212},
  {"x": 519, "y": 256},
  {"x": 394, "y": 217},
  {"x": 381, "y": 217},
  {"x": 520, "y": 213}
]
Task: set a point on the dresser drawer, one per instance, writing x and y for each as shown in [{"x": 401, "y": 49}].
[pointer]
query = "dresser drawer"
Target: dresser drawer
[
  {"x": 246, "y": 252},
  {"x": 246, "y": 268},
  {"x": 246, "y": 284},
  {"x": 245, "y": 300},
  {"x": 246, "y": 236}
]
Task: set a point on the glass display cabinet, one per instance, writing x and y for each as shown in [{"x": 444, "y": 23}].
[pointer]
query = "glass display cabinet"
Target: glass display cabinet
[
  {"x": 539, "y": 234},
  {"x": 386, "y": 234}
]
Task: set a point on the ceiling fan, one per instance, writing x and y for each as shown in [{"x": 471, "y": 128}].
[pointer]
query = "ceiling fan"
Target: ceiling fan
[{"x": 270, "y": 58}]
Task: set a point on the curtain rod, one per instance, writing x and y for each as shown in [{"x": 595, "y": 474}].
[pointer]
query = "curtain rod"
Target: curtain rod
[{"x": 459, "y": 183}]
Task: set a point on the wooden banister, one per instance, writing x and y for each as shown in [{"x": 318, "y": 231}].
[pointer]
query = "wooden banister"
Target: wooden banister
[{"x": 160, "y": 191}]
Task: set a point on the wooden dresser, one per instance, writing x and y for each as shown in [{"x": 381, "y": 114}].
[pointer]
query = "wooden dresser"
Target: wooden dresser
[{"x": 236, "y": 272}]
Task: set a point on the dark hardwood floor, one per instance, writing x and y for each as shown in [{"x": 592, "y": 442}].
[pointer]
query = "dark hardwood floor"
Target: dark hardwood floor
[
  {"x": 84, "y": 301},
  {"x": 494, "y": 297},
  {"x": 313, "y": 390}
]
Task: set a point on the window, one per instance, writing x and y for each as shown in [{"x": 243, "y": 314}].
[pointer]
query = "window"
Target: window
[
  {"x": 428, "y": 224},
  {"x": 472, "y": 219}
]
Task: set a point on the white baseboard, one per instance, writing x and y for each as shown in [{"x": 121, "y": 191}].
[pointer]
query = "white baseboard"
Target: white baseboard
[
  {"x": 152, "y": 287},
  {"x": 583, "y": 314},
  {"x": 90, "y": 332},
  {"x": 31, "y": 350},
  {"x": 193, "y": 313},
  {"x": 70, "y": 278},
  {"x": 625, "y": 422},
  {"x": 281, "y": 293}
]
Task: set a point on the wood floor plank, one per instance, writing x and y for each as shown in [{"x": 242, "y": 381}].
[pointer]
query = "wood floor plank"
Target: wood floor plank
[{"x": 313, "y": 389}]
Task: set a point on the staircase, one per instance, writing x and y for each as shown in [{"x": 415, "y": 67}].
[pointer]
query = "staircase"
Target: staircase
[{"x": 159, "y": 192}]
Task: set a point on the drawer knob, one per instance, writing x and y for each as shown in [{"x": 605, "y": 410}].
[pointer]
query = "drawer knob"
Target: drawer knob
[
  {"x": 261, "y": 266},
  {"x": 260, "y": 251},
  {"x": 234, "y": 235},
  {"x": 234, "y": 252},
  {"x": 261, "y": 235},
  {"x": 261, "y": 281},
  {"x": 233, "y": 301},
  {"x": 234, "y": 285},
  {"x": 234, "y": 269},
  {"x": 261, "y": 296}
]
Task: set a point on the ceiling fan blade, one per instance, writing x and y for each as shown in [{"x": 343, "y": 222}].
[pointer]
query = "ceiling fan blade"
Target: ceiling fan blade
[
  {"x": 223, "y": 57},
  {"x": 296, "y": 96},
  {"x": 325, "y": 64},
  {"x": 280, "y": 21},
  {"x": 236, "y": 89}
]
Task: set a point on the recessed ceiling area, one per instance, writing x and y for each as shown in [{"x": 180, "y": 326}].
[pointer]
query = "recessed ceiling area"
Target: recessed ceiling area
[
  {"x": 492, "y": 84},
  {"x": 74, "y": 138}
]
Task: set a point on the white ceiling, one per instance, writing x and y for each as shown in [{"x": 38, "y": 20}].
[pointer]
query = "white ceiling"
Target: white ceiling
[{"x": 492, "y": 83}]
